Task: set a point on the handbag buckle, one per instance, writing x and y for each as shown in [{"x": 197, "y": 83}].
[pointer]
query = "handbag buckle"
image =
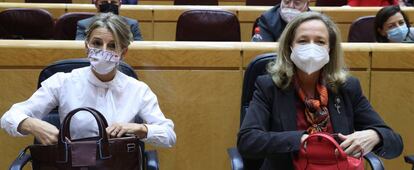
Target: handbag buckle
[
  {"x": 131, "y": 147},
  {"x": 101, "y": 156},
  {"x": 66, "y": 154}
]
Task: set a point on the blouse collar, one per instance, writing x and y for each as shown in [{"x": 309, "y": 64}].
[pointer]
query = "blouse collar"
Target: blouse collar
[{"x": 115, "y": 83}]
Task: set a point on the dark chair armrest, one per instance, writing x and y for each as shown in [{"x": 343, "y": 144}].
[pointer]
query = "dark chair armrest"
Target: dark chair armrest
[
  {"x": 235, "y": 159},
  {"x": 152, "y": 160},
  {"x": 374, "y": 161},
  {"x": 20, "y": 161},
  {"x": 409, "y": 159}
]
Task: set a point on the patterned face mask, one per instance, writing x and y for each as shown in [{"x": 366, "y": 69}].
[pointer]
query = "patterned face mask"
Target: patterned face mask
[{"x": 103, "y": 61}]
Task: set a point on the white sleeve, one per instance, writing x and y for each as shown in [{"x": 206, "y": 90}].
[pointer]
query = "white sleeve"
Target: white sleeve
[
  {"x": 37, "y": 106},
  {"x": 160, "y": 129}
]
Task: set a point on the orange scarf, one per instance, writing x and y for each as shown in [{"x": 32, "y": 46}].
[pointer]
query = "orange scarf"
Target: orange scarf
[{"x": 316, "y": 111}]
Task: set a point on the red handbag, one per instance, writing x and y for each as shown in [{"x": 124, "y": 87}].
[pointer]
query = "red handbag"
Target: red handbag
[{"x": 317, "y": 152}]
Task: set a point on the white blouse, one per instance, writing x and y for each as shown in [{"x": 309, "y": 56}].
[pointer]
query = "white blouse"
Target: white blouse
[{"x": 119, "y": 100}]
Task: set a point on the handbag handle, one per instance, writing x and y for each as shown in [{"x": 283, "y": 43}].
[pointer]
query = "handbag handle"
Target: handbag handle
[
  {"x": 102, "y": 142},
  {"x": 102, "y": 120},
  {"x": 329, "y": 138}
]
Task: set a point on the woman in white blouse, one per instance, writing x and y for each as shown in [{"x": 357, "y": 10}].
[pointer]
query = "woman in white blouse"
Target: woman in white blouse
[{"x": 101, "y": 86}]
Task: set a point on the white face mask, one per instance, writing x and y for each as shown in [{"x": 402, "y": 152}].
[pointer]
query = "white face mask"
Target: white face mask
[
  {"x": 102, "y": 61},
  {"x": 288, "y": 14},
  {"x": 309, "y": 57}
]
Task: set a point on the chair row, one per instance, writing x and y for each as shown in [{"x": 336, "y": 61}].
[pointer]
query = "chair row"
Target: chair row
[
  {"x": 159, "y": 22},
  {"x": 192, "y": 25},
  {"x": 216, "y": 2},
  {"x": 23, "y": 23}
]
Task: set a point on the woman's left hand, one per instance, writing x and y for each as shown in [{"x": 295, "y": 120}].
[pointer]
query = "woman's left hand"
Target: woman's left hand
[
  {"x": 359, "y": 142},
  {"x": 117, "y": 130}
]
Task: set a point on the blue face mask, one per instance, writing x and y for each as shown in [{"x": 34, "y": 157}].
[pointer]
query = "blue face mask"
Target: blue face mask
[{"x": 398, "y": 34}]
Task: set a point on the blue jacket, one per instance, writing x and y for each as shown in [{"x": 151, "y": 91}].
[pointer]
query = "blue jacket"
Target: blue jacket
[{"x": 271, "y": 24}]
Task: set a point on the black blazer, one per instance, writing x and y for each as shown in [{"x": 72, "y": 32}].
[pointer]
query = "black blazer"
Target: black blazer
[{"x": 269, "y": 128}]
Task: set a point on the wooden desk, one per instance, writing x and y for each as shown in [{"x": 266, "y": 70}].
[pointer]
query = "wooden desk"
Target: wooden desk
[{"x": 198, "y": 85}]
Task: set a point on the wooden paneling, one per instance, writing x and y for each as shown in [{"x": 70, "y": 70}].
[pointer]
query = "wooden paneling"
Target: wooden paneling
[
  {"x": 16, "y": 86},
  {"x": 55, "y": 9},
  {"x": 185, "y": 55},
  {"x": 251, "y": 50},
  {"x": 204, "y": 105},
  {"x": 392, "y": 94},
  {"x": 198, "y": 85},
  {"x": 385, "y": 56},
  {"x": 357, "y": 55},
  {"x": 246, "y": 31},
  {"x": 164, "y": 31}
]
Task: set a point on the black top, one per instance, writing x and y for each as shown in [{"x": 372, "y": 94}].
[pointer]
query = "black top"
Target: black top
[{"x": 269, "y": 129}]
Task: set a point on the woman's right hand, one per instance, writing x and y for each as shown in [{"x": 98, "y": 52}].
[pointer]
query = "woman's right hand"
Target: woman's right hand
[{"x": 44, "y": 132}]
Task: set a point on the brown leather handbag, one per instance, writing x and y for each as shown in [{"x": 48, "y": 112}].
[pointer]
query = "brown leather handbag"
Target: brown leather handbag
[{"x": 88, "y": 153}]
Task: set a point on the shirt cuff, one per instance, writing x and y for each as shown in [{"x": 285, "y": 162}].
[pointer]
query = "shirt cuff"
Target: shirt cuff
[
  {"x": 12, "y": 122},
  {"x": 153, "y": 132}
]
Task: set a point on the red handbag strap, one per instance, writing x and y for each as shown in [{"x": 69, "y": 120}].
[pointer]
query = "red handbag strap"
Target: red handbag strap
[
  {"x": 329, "y": 138},
  {"x": 341, "y": 157},
  {"x": 318, "y": 152}
]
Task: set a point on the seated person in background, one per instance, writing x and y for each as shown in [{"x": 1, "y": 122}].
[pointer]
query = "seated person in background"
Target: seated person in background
[
  {"x": 392, "y": 25},
  {"x": 372, "y": 2},
  {"x": 308, "y": 90},
  {"x": 273, "y": 22},
  {"x": 118, "y": 97},
  {"x": 105, "y": 6}
]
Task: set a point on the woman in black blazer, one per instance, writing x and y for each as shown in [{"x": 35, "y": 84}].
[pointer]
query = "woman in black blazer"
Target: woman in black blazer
[{"x": 308, "y": 90}]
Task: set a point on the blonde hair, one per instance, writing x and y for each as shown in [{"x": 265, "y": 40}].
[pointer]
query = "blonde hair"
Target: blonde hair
[
  {"x": 334, "y": 73},
  {"x": 116, "y": 25}
]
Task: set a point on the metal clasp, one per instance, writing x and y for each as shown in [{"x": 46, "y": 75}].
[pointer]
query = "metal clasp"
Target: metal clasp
[{"x": 131, "y": 147}]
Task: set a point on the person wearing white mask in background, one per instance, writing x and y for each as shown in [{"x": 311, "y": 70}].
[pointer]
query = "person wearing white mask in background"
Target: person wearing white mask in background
[
  {"x": 308, "y": 90},
  {"x": 391, "y": 24},
  {"x": 272, "y": 22},
  {"x": 118, "y": 97}
]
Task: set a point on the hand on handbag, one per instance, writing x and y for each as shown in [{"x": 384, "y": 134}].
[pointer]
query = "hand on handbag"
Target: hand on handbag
[
  {"x": 117, "y": 130},
  {"x": 44, "y": 132},
  {"x": 359, "y": 142}
]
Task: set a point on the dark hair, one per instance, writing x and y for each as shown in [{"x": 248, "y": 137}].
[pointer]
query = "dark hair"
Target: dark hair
[{"x": 382, "y": 17}]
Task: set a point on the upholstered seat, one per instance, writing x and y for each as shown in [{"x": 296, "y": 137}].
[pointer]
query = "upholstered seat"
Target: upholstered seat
[
  {"x": 362, "y": 30},
  {"x": 331, "y": 2},
  {"x": 26, "y": 23},
  {"x": 195, "y": 2},
  {"x": 208, "y": 25},
  {"x": 65, "y": 28},
  {"x": 262, "y": 2}
]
